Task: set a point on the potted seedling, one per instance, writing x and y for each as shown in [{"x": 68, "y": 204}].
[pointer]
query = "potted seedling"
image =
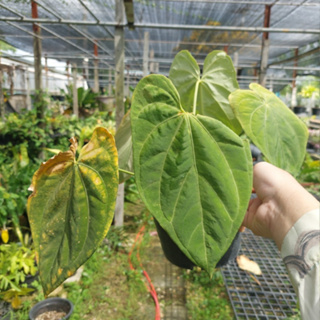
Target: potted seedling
[{"x": 191, "y": 161}]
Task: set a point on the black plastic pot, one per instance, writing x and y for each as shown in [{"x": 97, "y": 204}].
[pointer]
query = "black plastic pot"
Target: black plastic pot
[
  {"x": 316, "y": 111},
  {"x": 178, "y": 258},
  {"x": 299, "y": 109},
  {"x": 52, "y": 304}
]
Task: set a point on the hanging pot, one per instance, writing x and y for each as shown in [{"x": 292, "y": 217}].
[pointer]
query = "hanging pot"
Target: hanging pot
[
  {"x": 51, "y": 308},
  {"x": 178, "y": 258}
]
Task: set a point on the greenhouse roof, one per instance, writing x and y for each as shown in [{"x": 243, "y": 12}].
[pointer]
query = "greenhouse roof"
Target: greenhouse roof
[{"x": 70, "y": 28}]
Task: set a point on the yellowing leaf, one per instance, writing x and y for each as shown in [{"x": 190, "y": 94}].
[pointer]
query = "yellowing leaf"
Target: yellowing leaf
[
  {"x": 72, "y": 206},
  {"x": 5, "y": 235},
  {"x": 16, "y": 302},
  {"x": 246, "y": 264}
]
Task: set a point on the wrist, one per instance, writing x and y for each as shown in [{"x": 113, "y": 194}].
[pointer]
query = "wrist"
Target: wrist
[{"x": 288, "y": 210}]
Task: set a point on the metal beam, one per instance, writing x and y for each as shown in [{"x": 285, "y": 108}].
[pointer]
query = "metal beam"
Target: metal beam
[
  {"x": 163, "y": 26},
  {"x": 270, "y": 3},
  {"x": 12, "y": 11},
  {"x": 74, "y": 45},
  {"x": 296, "y": 57},
  {"x": 90, "y": 39},
  {"x": 216, "y": 44},
  {"x": 60, "y": 19},
  {"x": 128, "y": 6},
  {"x": 95, "y": 17}
]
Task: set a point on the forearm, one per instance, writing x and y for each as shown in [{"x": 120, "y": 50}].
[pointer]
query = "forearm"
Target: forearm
[{"x": 301, "y": 254}]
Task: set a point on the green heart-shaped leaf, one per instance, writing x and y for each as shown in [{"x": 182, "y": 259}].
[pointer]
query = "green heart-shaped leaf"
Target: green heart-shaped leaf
[
  {"x": 272, "y": 126},
  {"x": 193, "y": 173},
  {"x": 72, "y": 206},
  {"x": 207, "y": 93}
]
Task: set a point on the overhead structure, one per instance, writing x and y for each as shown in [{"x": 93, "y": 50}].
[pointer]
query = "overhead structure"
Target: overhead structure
[{"x": 74, "y": 30}]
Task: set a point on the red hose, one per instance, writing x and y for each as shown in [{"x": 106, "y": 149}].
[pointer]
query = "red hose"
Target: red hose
[{"x": 149, "y": 285}]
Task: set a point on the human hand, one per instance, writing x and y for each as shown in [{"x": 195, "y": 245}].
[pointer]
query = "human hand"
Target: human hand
[{"x": 280, "y": 202}]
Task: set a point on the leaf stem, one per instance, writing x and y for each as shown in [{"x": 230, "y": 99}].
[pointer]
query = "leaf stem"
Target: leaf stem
[
  {"x": 195, "y": 97},
  {"x": 125, "y": 171}
]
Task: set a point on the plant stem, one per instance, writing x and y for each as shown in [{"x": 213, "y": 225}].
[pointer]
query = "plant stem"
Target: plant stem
[
  {"x": 125, "y": 171},
  {"x": 195, "y": 97}
]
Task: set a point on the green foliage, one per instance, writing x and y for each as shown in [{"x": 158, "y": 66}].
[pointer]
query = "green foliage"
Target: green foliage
[
  {"x": 206, "y": 297},
  {"x": 16, "y": 262},
  {"x": 189, "y": 168},
  {"x": 310, "y": 170},
  {"x": 206, "y": 93},
  {"x": 309, "y": 90},
  {"x": 8, "y": 206},
  {"x": 86, "y": 97},
  {"x": 193, "y": 170},
  {"x": 262, "y": 115},
  {"x": 309, "y": 175}
]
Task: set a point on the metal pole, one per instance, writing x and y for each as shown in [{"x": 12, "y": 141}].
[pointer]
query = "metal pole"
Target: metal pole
[
  {"x": 152, "y": 61},
  {"x": 146, "y": 54},
  {"x": 28, "y": 99},
  {"x": 46, "y": 72},
  {"x": 2, "y": 106},
  {"x": 119, "y": 78},
  {"x": 68, "y": 72},
  {"x": 110, "y": 84},
  {"x": 75, "y": 91},
  {"x": 265, "y": 47},
  {"x": 126, "y": 89},
  {"x": 11, "y": 79},
  {"x": 37, "y": 51},
  {"x": 294, "y": 76},
  {"x": 96, "y": 71},
  {"x": 85, "y": 71}
]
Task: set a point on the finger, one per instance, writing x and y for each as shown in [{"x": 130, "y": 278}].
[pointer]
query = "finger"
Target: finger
[{"x": 254, "y": 204}]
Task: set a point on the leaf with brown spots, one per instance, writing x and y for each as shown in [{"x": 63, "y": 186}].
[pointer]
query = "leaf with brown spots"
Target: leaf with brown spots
[{"x": 72, "y": 205}]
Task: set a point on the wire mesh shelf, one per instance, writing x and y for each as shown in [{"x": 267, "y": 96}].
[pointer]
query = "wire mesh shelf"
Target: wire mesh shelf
[{"x": 263, "y": 297}]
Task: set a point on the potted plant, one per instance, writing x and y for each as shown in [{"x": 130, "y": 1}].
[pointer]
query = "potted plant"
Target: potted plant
[
  {"x": 311, "y": 93},
  {"x": 299, "y": 109},
  {"x": 192, "y": 165},
  {"x": 51, "y": 309}
]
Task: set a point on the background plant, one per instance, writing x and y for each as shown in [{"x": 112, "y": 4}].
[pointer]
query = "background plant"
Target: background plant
[{"x": 16, "y": 262}]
